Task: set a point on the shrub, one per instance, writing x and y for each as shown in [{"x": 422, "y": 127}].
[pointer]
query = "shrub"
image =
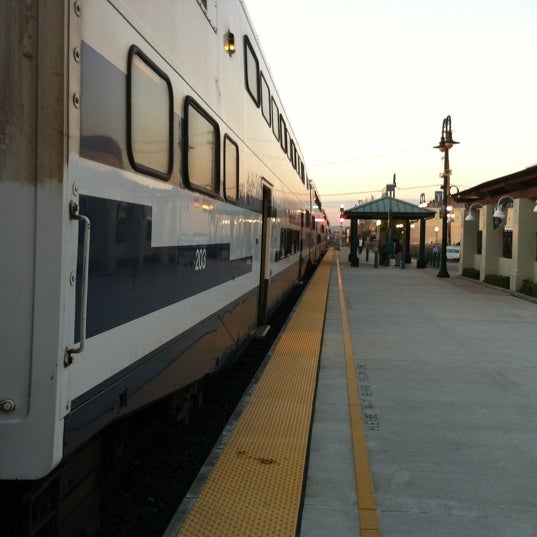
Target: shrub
[
  {"x": 497, "y": 280},
  {"x": 471, "y": 273},
  {"x": 528, "y": 288}
]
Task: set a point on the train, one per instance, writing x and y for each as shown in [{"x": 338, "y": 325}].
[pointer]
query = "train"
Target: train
[{"x": 155, "y": 209}]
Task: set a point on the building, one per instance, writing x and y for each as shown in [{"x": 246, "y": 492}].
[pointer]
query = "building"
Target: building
[{"x": 499, "y": 233}]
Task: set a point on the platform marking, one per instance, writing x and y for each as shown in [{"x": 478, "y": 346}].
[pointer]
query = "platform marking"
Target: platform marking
[
  {"x": 367, "y": 505},
  {"x": 256, "y": 487}
]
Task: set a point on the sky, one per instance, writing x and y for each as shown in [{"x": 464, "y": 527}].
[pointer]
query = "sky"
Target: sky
[{"x": 366, "y": 85}]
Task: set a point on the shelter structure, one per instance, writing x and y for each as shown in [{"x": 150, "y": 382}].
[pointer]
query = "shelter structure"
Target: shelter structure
[
  {"x": 499, "y": 236},
  {"x": 389, "y": 208}
]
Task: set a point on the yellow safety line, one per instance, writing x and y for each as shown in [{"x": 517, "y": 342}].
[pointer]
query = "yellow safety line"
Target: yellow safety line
[{"x": 367, "y": 506}]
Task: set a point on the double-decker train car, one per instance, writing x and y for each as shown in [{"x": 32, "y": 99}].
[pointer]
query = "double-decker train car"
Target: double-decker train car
[
  {"x": 155, "y": 208},
  {"x": 320, "y": 226}
]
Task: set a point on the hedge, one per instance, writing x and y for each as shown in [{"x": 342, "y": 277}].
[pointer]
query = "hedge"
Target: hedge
[
  {"x": 497, "y": 280},
  {"x": 528, "y": 288},
  {"x": 471, "y": 273}
]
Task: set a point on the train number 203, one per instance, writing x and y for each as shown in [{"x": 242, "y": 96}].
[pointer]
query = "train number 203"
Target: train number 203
[{"x": 201, "y": 259}]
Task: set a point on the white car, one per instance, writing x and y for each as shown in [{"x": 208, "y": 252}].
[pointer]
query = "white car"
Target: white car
[{"x": 453, "y": 253}]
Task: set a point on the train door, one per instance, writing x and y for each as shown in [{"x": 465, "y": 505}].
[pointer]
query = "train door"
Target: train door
[{"x": 264, "y": 277}]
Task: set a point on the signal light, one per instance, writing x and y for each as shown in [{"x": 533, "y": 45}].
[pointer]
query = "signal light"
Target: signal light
[{"x": 229, "y": 43}]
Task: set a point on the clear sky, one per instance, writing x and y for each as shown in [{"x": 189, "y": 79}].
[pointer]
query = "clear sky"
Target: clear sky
[{"x": 367, "y": 83}]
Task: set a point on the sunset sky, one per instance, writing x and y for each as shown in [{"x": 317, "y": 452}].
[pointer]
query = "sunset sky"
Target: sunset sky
[{"x": 367, "y": 83}]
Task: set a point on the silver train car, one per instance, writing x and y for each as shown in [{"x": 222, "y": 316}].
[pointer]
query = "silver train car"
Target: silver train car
[{"x": 155, "y": 209}]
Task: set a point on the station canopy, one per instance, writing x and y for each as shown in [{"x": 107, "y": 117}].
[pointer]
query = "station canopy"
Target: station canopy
[{"x": 388, "y": 207}]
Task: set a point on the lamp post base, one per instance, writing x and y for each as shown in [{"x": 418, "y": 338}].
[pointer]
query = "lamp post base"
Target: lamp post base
[{"x": 442, "y": 273}]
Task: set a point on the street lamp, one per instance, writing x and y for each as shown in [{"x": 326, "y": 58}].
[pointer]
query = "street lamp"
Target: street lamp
[{"x": 446, "y": 143}]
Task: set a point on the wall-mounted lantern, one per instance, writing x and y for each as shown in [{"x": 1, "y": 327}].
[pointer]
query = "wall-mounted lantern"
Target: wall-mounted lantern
[{"x": 229, "y": 43}]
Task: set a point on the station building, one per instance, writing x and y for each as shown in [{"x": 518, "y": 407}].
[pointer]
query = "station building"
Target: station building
[{"x": 499, "y": 228}]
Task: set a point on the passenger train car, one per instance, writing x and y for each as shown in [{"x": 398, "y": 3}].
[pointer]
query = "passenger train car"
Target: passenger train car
[{"x": 154, "y": 209}]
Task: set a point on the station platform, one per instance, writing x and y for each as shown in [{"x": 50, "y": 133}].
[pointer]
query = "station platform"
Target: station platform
[{"x": 394, "y": 403}]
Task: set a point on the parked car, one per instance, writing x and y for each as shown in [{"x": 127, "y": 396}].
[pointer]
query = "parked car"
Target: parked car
[{"x": 453, "y": 253}]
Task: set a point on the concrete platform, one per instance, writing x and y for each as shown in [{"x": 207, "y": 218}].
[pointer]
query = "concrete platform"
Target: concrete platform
[{"x": 448, "y": 386}]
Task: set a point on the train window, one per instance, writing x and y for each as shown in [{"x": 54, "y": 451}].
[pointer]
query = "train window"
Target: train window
[
  {"x": 292, "y": 153},
  {"x": 149, "y": 117},
  {"x": 275, "y": 119},
  {"x": 231, "y": 169},
  {"x": 283, "y": 134},
  {"x": 265, "y": 100},
  {"x": 103, "y": 112},
  {"x": 201, "y": 152},
  {"x": 251, "y": 71}
]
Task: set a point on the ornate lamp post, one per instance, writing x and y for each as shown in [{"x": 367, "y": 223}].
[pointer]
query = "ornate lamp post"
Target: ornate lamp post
[{"x": 446, "y": 143}]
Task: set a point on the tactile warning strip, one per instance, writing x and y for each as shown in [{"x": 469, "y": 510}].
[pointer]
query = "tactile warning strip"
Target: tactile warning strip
[{"x": 256, "y": 485}]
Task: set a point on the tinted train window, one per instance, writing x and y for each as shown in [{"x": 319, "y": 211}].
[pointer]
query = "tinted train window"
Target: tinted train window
[
  {"x": 251, "y": 71},
  {"x": 275, "y": 119},
  {"x": 231, "y": 169},
  {"x": 283, "y": 134},
  {"x": 292, "y": 154},
  {"x": 149, "y": 117},
  {"x": 103, "y": 111},
  {"x": 201, "y": 149},
  {"x": 265, "y": 100}
]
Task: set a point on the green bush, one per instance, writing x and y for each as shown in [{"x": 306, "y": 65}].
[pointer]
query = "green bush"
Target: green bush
[
  {"x": 497, "y": 280},
  {"x": 471, "y": 273},
  {"x": 528, "y": 288}
]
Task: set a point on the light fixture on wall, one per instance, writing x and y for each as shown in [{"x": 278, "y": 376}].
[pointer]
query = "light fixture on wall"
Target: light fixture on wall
[
  {"x": 535, "y": 208},
  {"x": 229, "y": 43},
  {"x": 499, "y": 210},
  {"x": 470, "y": 217}
]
